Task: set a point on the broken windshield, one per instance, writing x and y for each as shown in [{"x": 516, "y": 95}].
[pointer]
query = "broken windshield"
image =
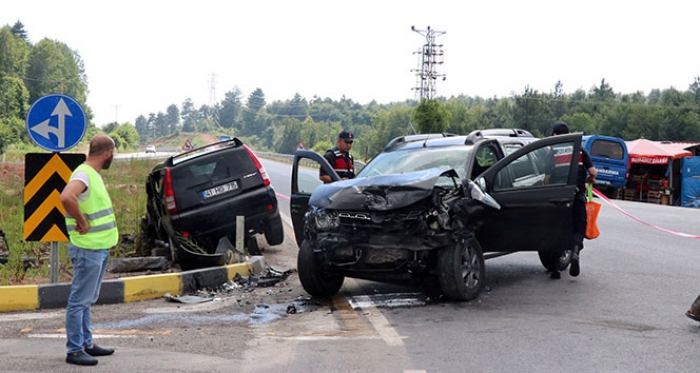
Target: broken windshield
[{"x": 418, "y": 159}]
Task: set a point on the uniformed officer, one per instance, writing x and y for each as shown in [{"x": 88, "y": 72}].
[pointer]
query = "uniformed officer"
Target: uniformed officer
[{"x": 340, "y": 158}]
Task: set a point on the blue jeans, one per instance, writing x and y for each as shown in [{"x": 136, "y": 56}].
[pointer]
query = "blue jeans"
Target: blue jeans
[{"x": 88, "y": 269}]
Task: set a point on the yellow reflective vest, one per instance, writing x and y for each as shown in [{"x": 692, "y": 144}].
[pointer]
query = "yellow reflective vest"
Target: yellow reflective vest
[{"x": 98, "y": 211}]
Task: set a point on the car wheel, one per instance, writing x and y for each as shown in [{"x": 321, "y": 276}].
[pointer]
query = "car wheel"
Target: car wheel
[
  {"x": 461, "y": 269},
  {"x": 274, "y": 231},
  {"x": 555, "y": 260},
  {"x": 311, "y": 275}
]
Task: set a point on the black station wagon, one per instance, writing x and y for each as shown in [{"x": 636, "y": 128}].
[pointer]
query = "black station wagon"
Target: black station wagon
[
  {"x": 198, "y": 195},
  {"x": 431, "y": 206}
]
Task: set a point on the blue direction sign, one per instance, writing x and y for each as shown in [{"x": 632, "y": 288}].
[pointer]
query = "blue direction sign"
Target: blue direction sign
[{"x": 56, "y": 123}]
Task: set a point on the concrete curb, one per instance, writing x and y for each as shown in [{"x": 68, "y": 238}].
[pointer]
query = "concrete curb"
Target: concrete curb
[{"x": 128, "y": 289}]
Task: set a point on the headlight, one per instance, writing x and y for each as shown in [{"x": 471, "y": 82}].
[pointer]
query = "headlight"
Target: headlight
[{"x": 325, "y": 220}]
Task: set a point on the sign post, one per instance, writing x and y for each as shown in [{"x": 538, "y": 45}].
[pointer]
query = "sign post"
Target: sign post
[{"x": 55, "y": 123}]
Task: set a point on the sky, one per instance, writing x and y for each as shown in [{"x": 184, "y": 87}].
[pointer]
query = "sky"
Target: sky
[{"x": 142, "y": 56}]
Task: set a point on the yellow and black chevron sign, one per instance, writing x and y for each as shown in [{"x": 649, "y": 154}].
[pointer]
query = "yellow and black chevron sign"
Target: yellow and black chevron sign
[{"x": 45, "y": 176}]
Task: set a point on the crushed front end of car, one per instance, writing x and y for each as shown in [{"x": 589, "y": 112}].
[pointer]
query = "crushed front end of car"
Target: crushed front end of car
[{"x": 386, "y": 228}]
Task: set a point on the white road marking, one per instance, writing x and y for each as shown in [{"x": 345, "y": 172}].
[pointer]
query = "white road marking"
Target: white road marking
[
  {"x": 379, "y": 322},
  {"x": 322, "y": 337},
  {"x": 63, "y": 336},
  {"x": 30, "y": 316},
  {"x": 387, "y": 300}
]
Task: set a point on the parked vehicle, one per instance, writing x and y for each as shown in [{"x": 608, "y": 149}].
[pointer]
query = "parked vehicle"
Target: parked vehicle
[
  {"x": 197, "y": 195},
  {"x": 609, "y": 155},
  {"x": 413, "y": 212}
]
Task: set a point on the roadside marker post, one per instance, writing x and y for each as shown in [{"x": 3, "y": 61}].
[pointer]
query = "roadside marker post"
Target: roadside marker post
[{"x": 55, "y": 123}]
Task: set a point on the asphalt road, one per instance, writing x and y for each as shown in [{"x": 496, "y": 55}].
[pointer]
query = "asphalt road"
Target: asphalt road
[{"x": 624, "y": 313}]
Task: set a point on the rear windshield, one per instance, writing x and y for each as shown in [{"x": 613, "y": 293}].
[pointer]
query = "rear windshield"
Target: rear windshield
[
  {"x": 417, "y": 159},
  {"x": 609, "y": 149},
  {"x": 228, "y": 164}
]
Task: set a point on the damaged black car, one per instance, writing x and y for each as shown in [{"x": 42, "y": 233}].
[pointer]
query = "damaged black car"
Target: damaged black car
[{"x": 435, "y": 206}]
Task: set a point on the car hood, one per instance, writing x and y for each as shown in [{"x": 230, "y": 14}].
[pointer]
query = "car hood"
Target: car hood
[{"x": 380, "y": 193}]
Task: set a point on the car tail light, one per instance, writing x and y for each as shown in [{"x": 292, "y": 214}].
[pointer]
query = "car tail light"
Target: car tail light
[
  {"x": 259, "y": 166},
  {"x": 169, "y": 193}
]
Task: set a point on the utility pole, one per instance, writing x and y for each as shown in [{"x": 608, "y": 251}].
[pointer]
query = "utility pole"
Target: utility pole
[
  {"x": 212, "y": 89},
  {"x": 431, "y": 55}
]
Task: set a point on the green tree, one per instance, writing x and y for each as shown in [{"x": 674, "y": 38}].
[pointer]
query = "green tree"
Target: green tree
[
  {"x": 581, "y": 122},
  {"x": 255, "y": 103},
  {"x": 142, "y": 128},
  {"x": 188, "y": 114},
  {"x": 533, "y": 112},
  {"x": 172, "y": 119},
  {"x": 291, "y": 136},
  {"x": 694, "y": 89},
  {"x": 18, "y": 31},
  {"x": 12, "y": 131},
  {"x": 55, "y": 68},
  {"x": 14, "y": 98},
  {"x": 603, "y": 92},
  {"x": 389, "y": 123},
  {"x": 14, "y": 54},
  {"x": 430, "y": 116},
  {"x": 160, "y": 125},
  {"x": 297, "y": 107},
  {"x": 128, "y": 133},
  {"x": 231, "y": 108}
]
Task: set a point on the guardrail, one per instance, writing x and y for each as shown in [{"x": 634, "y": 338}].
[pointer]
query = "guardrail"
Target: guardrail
[{"x": 289, "y": 158}]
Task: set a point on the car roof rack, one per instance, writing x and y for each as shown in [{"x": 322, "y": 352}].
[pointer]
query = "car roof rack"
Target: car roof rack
[
  {"x": 401, "y": 140},
  {"x": 474, "y": 136}
]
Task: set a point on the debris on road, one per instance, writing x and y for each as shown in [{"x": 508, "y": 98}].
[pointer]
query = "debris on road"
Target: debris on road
[{"x": 188, "y": 299}]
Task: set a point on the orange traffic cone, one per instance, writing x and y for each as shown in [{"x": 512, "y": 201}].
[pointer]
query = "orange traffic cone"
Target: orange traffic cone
[{"x": 694, "y": 311}]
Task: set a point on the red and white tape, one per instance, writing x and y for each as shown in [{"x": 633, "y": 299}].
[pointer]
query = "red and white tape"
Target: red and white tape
[{"x": 671, "y": 231}]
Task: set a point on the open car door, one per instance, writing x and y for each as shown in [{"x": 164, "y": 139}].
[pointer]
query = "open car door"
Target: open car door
[
  {"x": 535, "y": 187},
  {"x": 305, "y": 179}
]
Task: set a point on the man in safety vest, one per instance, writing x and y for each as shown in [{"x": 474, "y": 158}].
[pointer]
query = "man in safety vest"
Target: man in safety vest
[
  {"x": 92, "y": 229},
  {"x": 586, "y": 172},
  {"x": 340, "y": 158}
]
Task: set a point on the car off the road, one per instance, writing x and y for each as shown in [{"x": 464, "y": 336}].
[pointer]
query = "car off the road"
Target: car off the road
[
  {"x": 413, "y": 213},
  {"x": 197, "y": 196}
]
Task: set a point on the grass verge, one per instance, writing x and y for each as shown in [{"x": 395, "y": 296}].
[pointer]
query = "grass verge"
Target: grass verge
[{"x": 125, "y": 181}]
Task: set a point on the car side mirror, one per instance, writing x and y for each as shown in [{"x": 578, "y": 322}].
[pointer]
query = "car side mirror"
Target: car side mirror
[{"x": 476, "y": 191}]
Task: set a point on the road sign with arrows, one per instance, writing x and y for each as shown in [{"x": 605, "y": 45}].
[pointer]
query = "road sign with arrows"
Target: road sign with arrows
[
  {"x": 45, "y": 176},
  {"x": 56, "y": 123}
]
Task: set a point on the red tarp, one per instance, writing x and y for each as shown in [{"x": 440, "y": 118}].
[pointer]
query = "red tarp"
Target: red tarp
[{"x": 653, "y": 152}]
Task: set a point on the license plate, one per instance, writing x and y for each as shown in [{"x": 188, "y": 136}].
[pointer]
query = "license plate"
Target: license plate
[{"x": 221, "y": 189}]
